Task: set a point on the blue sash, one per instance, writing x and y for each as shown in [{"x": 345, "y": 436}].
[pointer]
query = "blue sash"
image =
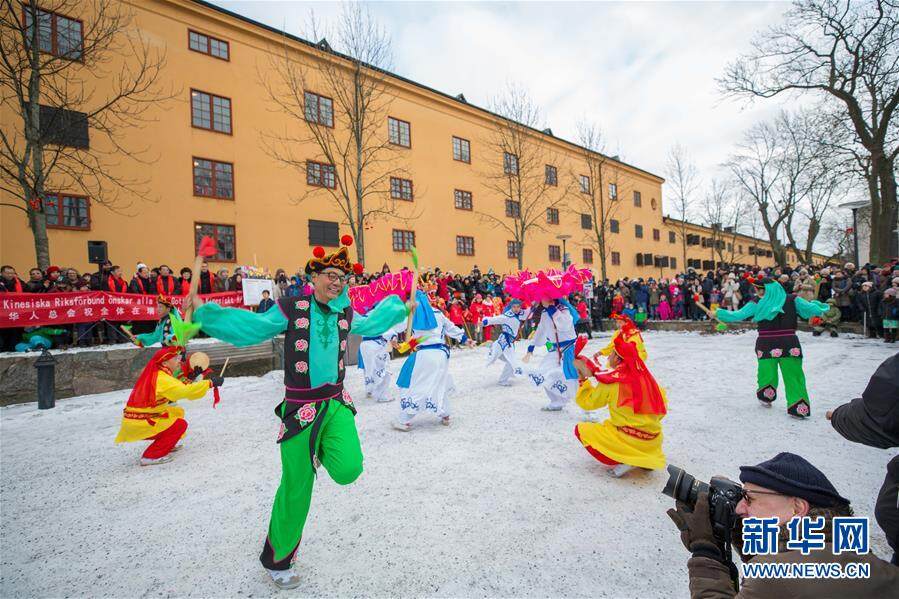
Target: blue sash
[
  {"x": 359, "y": 362},
  {"x": 505, "y": 340},
  {"x": 405, "y": 377},
  {"x": 567, "y": 348}
]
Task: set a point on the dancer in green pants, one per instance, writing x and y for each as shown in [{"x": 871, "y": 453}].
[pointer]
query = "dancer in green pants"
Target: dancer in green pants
[
  {"x": 777, "y": 346},
  {"x": 317, "y": 426}
]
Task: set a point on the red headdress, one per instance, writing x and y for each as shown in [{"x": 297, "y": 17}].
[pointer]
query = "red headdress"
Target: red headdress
[
  {"x": 637, "y": 388},
  {"x": 144, "y": 393},
  {"x": 339, "y": 259},
  {"x": 628, "y": 327}
]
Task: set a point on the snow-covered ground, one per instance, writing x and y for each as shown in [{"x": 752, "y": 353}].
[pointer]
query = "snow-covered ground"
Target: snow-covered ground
[{"x": 503, "y": 503}]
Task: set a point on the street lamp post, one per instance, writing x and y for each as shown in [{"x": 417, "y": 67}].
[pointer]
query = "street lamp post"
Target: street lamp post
[{"x": 564, "y": 238}]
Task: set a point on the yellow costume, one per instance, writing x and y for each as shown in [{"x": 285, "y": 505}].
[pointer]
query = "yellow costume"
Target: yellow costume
[
  {"x": 142, "y": 423},
  {"x": 630, "y": 332},
  {"x": 626, "y": 437},
  {"x": 632, "y": 435}
]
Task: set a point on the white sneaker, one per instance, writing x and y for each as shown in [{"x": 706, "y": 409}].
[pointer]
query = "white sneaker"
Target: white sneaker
[
  {"x": 284, "y": 579},
  {"x": 402, "y": 426},
  {"x": 620, "y": 470},
  {"x": 445, "y": 421},
  {"x": 153, "y": 462}
]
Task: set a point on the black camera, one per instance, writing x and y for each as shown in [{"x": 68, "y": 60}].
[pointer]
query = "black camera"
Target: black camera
[{"x": 724, "y": 495}]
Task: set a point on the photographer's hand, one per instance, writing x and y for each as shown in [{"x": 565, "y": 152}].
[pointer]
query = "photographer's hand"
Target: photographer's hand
[{"x": 696, "y": 528}]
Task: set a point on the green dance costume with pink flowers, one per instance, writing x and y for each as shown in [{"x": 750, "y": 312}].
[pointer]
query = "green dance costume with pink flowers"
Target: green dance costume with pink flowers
[
  {"x": 777, "y": 346},
  {"x": 317, "y": 415}
]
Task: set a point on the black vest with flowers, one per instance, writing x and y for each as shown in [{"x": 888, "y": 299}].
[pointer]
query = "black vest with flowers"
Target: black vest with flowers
[{"x": 303, "y": 406}]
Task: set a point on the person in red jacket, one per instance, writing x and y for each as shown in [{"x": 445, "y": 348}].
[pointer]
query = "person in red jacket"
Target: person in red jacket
[
  {"x": 166, "y": 283},
  {"x": 475, "y": 316},
  {"x": 115, "y": 283},
  {"x": 184, "y": 281},
  {"x": 207, "y": 280},
  {"x": 456, "y": 314}
]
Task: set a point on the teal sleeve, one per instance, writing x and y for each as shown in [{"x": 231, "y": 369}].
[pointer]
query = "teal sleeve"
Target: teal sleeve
[
  {"x": 387, "y": 314},
  {"x": 743, "y": 313},
  {"x": 806, "y": 309},
  {"x": 240, "y": 327},
  {"x": 148, "y": 339}
]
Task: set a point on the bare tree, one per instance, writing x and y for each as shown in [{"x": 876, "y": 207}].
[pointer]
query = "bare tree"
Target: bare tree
[
  {"x": 341, "y": 103},
  {"x": 517, "y": 160},
  {"x": 849, "y": 51},
  {"x": 67, "y": 131},
  {"x": 723, "y": 211},
  {"x": 594, "y": 197},
  {"x": 683, "y": 179}
]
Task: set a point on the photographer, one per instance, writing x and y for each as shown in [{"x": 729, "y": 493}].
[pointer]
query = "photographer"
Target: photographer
[
  {"x": 786, "y": 487},
  {"x": 873, "y": 419}
]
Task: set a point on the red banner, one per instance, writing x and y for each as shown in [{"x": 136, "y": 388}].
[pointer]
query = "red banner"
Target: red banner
[{"x": 38, "y": 309}]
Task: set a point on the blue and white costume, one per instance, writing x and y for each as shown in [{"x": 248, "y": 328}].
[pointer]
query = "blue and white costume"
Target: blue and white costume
[
  {"x": 556, "y": 373},
  {"x": 374, "y": 361},
  {"x": 503, "y": 348},
  {"x": 425, "y": 381}
]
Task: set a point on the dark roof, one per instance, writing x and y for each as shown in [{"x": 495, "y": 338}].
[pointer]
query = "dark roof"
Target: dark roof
[
  {"x": 461, "y": 100},
  {"x": 666, "y": 219}
]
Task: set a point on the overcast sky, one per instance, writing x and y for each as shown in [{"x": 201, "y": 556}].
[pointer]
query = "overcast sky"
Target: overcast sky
[{"x": 643, "y": 71}]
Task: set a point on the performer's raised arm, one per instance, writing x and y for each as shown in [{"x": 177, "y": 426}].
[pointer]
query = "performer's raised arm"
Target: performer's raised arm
[
  {"x": 747, "y": 311},
  {"x": 238, "y": 326},
  {"x": 806, "y": 309}
]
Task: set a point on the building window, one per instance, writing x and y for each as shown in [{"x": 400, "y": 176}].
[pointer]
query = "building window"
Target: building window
[
  {"x": 464, "y": 245},
  {"x": 638, "y": 199},
  {"x": 613, "y": 191},
  {"x": 586, "y": 221},
  {"x": 211, "y": 112},
  {"x": 513, "y": 209},
  {"x": 638, "y": 231},
  {"x": 213, "y": 179},
  {"x": 65, "y": 211},
  {"x": 653, "y": 203},
  {"x": 512, "y": 248},
  {"x": 672, "y": 237},
  {"x": 56, "y": 34},
  {"x": 461, "y": 150},
  {"x": 324, "y": 233},
  {"x": 673, "y": 262},
  {"x": 403, "y": 240},
  {"x": 200, "y": 42},
  {"x": 400, "y": 132},
  {"x": 587, "y": 256},
  {"x": 319, "y": 109},
  {"x": 741, "y": 248},
  {"x": 63, "y": 127},
  {"x": 616, "y": 259},
  {"x": 224, "y": 238},
  {"x": 552, "y": 216},
  {"x": 613, "y": 226},
  {"x": 400, "y": 189},
  {"x": 552, "y": 175},
  {"x": 320, "y": 175},
  {"x": 510, "y": 164},
  {"x": 463, "y": 199},
  {"x": 656, "y": 235},
  {"x": 555, "y": 253},
  {"x": 585, "y": 184}
]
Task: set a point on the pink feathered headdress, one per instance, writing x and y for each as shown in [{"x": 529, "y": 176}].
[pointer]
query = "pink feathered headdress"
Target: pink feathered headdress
[
  {"x": 550, "y": 284},
  {"x": 364, "y": 297}
]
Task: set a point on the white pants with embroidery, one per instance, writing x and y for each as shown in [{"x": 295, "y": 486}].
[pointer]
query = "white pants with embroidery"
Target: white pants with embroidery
[
  {"x": 549, "y": 376},
  {"x": 511, "y": 365},
  {"x": 429, "y": 387},
  {"x": 376, "y": 359}
]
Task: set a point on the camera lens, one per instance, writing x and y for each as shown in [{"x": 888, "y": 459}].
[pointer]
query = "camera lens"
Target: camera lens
[{"x": 682, "y": 486}]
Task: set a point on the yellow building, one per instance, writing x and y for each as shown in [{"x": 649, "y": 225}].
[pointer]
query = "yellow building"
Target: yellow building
[{"x": 212, "y": 173}]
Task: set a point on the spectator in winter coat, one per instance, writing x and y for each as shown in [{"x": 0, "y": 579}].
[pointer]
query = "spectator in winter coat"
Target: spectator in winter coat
[
  {"x": 222, "y": 282},
  {"x": 824, "y": 290},
  {"x": 783, "y": 487},
  {"x": 207, "y": 280},
  {"x": 166, "y": 283},
  {"x": 184, "y": 281},
  {"x": 889, "y": 314},
  {"x": 36, "y": 282},
  {"x": 842, "y": 293},
  {"x": 265, "y": 303},
  {"x": 641, "y": 296},
  {"x": 867, "y": 304},
  {"x": 141, "y": 284},
  {"x": 617, "y": 303},
  {"x": 730, "y": 292},
  {"x": 664, "y": 311},
  {"x": 98, "y": 278},
  {"x": 829, "y": 321},
  {"x": 654, "y": 299},
  {"x": 806, "y": 286},
  {"x": 873, "y": 420}
]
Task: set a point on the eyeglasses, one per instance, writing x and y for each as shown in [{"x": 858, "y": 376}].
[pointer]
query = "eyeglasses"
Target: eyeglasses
[
  {"x": 748, "y": 499},
  {"x": 333, "y": 277}
]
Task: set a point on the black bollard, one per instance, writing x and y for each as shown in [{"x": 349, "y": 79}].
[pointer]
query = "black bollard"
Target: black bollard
[{"x": 46, "y": 380}]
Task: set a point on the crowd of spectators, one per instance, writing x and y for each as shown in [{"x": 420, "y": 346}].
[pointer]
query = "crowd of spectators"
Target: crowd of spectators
[{"x": 867, "y": 295}]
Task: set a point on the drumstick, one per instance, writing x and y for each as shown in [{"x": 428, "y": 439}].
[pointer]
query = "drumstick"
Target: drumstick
[{"x": 222, "y": 373}]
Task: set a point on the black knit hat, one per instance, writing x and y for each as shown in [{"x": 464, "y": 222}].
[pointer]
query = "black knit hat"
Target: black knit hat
[{"x": 793, "y": 475}]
